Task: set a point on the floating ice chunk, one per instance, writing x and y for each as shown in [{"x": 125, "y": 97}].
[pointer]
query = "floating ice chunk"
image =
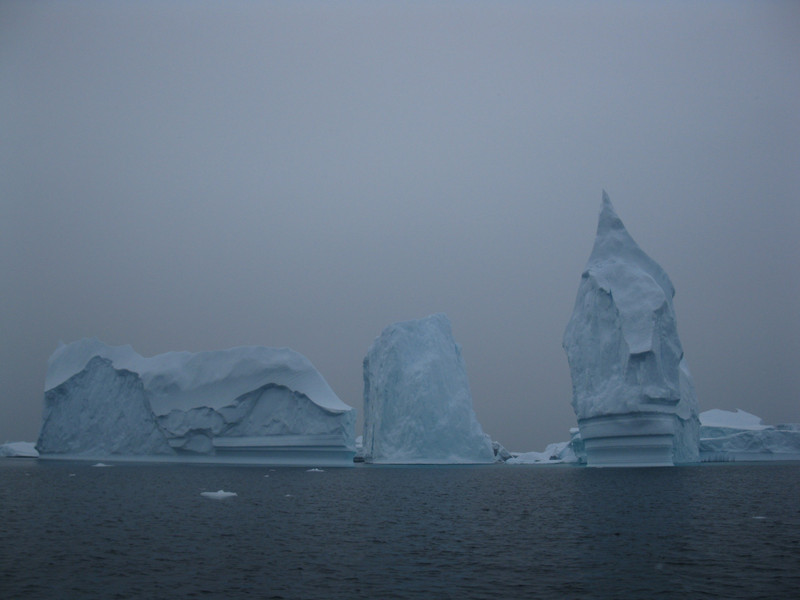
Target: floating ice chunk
[
  {"x": 218, "y": 495},
  {"x": 314, "y": 470},
  {"x": 18, "y": 450},
  {"x": 631, "y": 388},
  {"x": 100, "y": 465}
]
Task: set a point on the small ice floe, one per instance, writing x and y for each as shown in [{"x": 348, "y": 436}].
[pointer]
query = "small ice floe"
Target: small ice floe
[
  {"x": 315, "y": 470},
  {"x": 759, "y": 517},
  {"x": 100, "y": 465},
  {"x": 72, "y": 475},
  {"x": 19, "y": 450},
  {"x": 266, "y": 475},
  {"x": 218, "y": 495},
  {"x": 288, "y": 496}
]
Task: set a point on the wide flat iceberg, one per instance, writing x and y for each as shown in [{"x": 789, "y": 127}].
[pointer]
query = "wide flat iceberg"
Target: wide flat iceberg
[
  {"x": 18, "y": 450},
  {"x": 632, "y": 391},
  {"x": 727, "y": 436},
  {"x": 417, "y": 401},
  {"x": 250, "y": 404}
]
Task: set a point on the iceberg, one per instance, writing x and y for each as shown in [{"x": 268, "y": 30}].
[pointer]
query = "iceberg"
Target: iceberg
[
  {"x": 18, "y": 450},
  {"x": 727, "y": 436},
  {"x": 417, "y": 401},
  {"x": 253, "y": 405},
  {"x": 218, "y": 495},
  {"x": 559, "y": 452},
  {"x": 632, "y": 391}
]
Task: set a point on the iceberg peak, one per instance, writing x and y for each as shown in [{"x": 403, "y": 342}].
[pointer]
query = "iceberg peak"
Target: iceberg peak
[
  {"x": 614, "y": 244},
  {"x": 609, "y": 220}
]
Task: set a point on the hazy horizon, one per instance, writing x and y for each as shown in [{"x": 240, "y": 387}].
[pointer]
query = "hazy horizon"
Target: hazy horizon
[{"x": 198, "y": 176}]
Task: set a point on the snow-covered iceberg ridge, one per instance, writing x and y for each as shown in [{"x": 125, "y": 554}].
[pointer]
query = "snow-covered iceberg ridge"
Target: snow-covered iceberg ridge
[
  {"x": 727, "y": 436},
  {"x": 417, "y": 401},
  {"x": 254, "y": 405},
  {"x": 631, "y": 388}
]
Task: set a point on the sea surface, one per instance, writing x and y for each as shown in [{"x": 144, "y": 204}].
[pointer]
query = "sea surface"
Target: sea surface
[{"x": 74, "y": 531}]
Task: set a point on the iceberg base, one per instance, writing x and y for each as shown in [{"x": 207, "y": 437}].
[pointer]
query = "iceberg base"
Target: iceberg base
[{"x": 629, "y": 440}]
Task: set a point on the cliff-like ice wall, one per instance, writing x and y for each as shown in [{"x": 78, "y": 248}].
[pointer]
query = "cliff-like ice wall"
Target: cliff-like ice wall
[{"x": 417, "y": 401}]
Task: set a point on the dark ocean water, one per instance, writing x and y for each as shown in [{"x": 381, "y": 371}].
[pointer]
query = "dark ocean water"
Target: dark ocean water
[{"x": 69, "y": 530}]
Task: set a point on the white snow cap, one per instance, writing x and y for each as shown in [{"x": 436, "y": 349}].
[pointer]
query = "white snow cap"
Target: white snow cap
[
  {"x": 738, "y": 419},
  {"x": 183, "y": 380}
]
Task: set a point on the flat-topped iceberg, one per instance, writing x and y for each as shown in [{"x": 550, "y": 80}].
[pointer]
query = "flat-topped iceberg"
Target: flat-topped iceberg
[
  {"x": 417, "y": 401},
  {"x": 631, "y": 388},
  {"x": 243, "y": 405},
  {"x": 18, "y": 450},
  {"x": 727, "y": 436}
]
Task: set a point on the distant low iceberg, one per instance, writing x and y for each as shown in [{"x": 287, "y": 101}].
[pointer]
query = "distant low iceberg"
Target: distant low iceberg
[
  {"x": 253, "y": 405},
  {"x": 727, "y": 436},
  {"x": 18, "y": 450}
]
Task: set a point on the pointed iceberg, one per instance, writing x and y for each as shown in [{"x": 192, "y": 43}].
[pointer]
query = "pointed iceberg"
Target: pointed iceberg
[
  {"x": 417, "y": 402},
  {"x": 253, "y": 405},
  {"x": 632, "y": 391}
]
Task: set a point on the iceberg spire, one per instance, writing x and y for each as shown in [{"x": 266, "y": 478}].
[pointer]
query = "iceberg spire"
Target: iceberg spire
[
  {"x": 614, "y": 243},
  {"x": 632, "y": 391}
]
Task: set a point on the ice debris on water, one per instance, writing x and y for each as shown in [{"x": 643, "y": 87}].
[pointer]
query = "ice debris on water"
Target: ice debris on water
[{"x": 218, "y": 495}]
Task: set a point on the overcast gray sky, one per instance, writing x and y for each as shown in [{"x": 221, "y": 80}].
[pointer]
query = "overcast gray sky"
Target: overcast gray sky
[{"x": 196, "y": 176}]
